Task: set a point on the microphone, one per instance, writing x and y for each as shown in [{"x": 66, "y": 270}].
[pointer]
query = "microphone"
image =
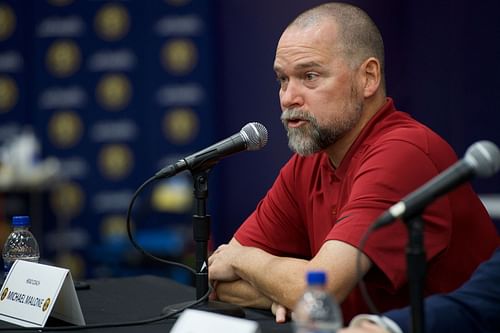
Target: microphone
[
  {"x": 253, "y": 136},
  {"x": 482, "y": 159}
]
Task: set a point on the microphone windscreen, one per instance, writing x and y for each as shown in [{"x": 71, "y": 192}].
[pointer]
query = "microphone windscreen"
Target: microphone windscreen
[
  {"x": 484, "y": 157},
  {"x": 255, "y": 135}
]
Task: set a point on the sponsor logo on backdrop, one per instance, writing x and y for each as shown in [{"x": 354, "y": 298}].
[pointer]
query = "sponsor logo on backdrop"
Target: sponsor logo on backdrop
[
  {"x": 179, "y": 56},
  {"x": 112, "y": 60},
  {"x": 114, "y": 130},
  {"x": 70, "y": 97},
  {"x": 114, "y": 228},
  {"x": 67, "y": 200},
  {"x": 7, "y": 22},
  {"x": 115, "y": 161},
  {"x": 104, "y": 202},
  {"x": 74, "y": 167},
  {"x": 63, "y": 58},
  {"x": 8, "y": 93},
  {"x": 113, "y": 92},
  {"x": 11, "y": 61},
  {"x": 180, "y": 94},
  {"x": 112, "y": 22},
  {"x": 69, "y": 235},
  {"x": 67, "y": 26},
  {"x": 180, "y": 25},
  {"x": 174, "y": 195},
  {"x": 65, "y": 129},
  {"x": 180, "y": 125}
]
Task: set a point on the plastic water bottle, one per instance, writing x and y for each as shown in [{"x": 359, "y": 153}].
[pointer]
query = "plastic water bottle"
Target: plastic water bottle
[
  {"x": 21, "y": 244},
  {"x": 317, "y": 311}
]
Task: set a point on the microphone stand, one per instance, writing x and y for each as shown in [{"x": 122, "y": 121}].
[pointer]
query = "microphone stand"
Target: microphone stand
[
  {"x": 201, "y": 235},
  {"x": 416, "y": 264}
]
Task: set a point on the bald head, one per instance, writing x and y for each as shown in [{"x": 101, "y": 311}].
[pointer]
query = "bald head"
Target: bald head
[{"x": 357, "y": 36}]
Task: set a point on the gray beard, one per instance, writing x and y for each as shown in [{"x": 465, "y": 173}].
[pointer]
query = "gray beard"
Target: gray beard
[{"x": 311, "y": 137}]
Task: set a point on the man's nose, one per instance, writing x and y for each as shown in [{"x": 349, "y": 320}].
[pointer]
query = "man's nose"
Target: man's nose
[{"x": 291, "y": 95}]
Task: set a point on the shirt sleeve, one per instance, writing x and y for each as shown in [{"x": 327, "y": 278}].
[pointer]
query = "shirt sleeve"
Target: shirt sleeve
[
  {"x": 276, "y": 224},
  {"x": 390, "y": 171}
]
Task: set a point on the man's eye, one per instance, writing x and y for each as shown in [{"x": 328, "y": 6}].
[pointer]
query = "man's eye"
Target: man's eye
[
  {"x": 281, "y": 80},
  {"x": 311, "y": 76}
]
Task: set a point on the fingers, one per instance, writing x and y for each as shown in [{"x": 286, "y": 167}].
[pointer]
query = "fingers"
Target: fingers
[
  {"x": 274, "y": 306},
  {"x": 220, "y": 248},
  {"x": 213, "y": 283},
  {"x": 213, "y": 294},
  {"x": 214, "y": 254},
  {"x": 280, "y": 312}
]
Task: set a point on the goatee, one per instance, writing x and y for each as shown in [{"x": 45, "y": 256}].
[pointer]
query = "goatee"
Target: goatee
[{"x": 311, "y": 137}]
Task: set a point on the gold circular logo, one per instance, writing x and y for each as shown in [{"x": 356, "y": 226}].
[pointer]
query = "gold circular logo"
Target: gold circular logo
[
  {"x": 67, "y": 200},
  {"x": 63, "y": 58},
  {"x": 4, "y": 293},
  {"x": 114, "y": 228},
  {"x": 112, "y": 22},
  {"x": 46, "y": 304},
  {"x": 115, "y": 161},
  {"x": 113, "y": 92},
  {"x": 177, "y": 2},
  {"x": 173, "y": 196},
  {"x": 180, "y": 125},
  {"x": 65, "y": 129},
  {"x": 8, "y": 93},
  {"x": 7, "y": 21},
  {"x": 179, "y": 56}
]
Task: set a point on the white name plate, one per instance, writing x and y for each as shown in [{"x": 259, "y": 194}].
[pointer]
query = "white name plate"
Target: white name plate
[
  {"x": 195, "y": 321},
  {"x": 31, "y": 292}
]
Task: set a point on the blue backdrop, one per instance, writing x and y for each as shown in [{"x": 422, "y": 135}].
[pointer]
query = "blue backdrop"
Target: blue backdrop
[{"x": 114, "y": 90}]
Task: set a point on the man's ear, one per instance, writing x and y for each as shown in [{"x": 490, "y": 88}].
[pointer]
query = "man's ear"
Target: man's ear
[{"x": 371, "y": 74}]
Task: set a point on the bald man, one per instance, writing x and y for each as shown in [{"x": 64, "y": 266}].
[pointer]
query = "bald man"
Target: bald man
[{"x": 355, "y": 156}]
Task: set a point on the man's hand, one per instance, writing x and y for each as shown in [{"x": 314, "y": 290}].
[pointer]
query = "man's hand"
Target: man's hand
[
  {"x": 220, "y": 262},
  {"x": 281, "y": 279},
  {"x": 240, "y": 292}
]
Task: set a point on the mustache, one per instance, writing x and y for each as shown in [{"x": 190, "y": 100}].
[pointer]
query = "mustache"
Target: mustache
[{"x": 296, "y": 114}]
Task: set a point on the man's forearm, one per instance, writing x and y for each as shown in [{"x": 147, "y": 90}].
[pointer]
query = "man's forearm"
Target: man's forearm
[
  {"x": 240, "y": 292},
  {"x": 286, "y": 282},
  {"x": 282, "y": 279}
]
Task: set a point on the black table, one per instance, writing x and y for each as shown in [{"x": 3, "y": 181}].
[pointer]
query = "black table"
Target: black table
[{"x": 117, "y": 300}]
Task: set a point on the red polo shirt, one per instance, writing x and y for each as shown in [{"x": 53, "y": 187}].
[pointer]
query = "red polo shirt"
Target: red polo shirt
[{"x": 312, "y": 202}]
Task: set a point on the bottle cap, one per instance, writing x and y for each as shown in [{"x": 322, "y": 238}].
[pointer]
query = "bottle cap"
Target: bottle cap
[
  {"x": 316, "y": 278},
  {"x": 20, "y": 221}
]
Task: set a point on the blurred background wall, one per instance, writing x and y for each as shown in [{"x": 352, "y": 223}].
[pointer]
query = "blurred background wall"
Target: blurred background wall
[{"x": 112, "y": 91}]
